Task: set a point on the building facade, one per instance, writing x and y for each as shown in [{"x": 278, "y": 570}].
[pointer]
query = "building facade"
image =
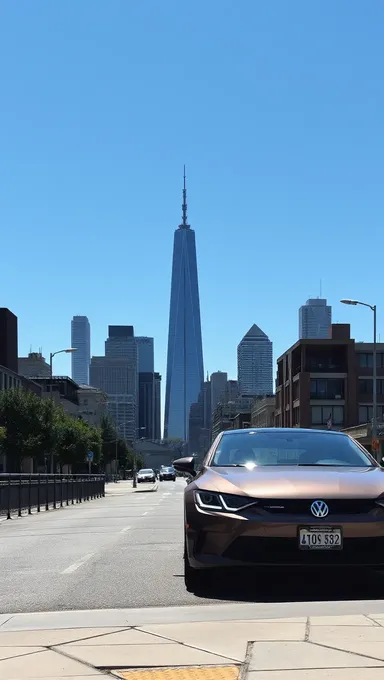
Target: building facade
[
  {"x": 8, "y": 340},
  {"x": 93, "y": 404},
  {"x": 34, "y": 366},
  {"x": 116, "y": 375},
  {"x": 327, "y": 383},
  {"x": 81, "y": 340},
  {"x": 146, "y": 405},
  {"x": 185, "y": 371},
  {"x": 218, "y": 381},
  {"x": 315, "y": 318},
  {"x": 255, "y": 363},
  {"x": 263, "y": 411},
  {"x": 157, "y": 407}
]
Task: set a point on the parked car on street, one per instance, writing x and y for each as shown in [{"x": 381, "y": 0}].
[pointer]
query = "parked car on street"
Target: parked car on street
[
  {"x": 283, "y": 497},
  {"x": 167, "y": 473},
  {"x": 146, "y": 475}
]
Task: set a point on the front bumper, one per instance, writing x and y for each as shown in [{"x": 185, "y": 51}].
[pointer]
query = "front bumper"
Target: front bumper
[
  {"x": 168, "y": 478},
  {"x": 148, "y": 480},
  {"x": 214, "y": 540}
]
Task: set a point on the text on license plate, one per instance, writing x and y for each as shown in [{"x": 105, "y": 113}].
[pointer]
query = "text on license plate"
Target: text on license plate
[{"x": 315, "y": 539}]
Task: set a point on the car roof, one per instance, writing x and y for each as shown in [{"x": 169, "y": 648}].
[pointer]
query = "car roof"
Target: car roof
[{"x": 273, "y": 430}]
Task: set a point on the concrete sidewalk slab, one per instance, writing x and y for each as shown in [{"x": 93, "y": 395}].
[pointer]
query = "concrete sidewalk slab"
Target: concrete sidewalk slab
[{"x": 295, "y": 648}]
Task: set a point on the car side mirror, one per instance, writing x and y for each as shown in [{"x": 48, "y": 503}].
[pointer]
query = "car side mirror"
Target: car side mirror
[{"x": 185, "y": 465}]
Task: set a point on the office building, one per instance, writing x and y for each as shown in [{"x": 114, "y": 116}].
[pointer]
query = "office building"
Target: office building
[
  {"x": 254, "y": 363},
  {"x": 185, "y": 372},
  {"x": 327, "y": 383},
  {"x": 81, "y": 340},
  {"x": 116, "y": 374},
  {"x": 200, "y": 419},
  {"x": 315, "y": 318},
  {"x": 218, "y": 384},
  {"x": 34, "y": 366},
  {"x": 146, "y": 406},
  {"x": 157, "y": 407},
  {"x": 8, "y": 340}
]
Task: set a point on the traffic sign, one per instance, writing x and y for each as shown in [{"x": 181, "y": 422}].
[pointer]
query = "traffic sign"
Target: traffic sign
[{"x": 90, "y": 455}]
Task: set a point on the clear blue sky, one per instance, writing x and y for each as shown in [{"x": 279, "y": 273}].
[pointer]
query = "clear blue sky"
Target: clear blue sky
[{"x": 276, "y": 108}]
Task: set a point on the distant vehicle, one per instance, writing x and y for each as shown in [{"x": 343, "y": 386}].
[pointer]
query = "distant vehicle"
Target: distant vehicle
[
  {"x": 146, "y": 475},
  {"x": 167, "y": 473}
]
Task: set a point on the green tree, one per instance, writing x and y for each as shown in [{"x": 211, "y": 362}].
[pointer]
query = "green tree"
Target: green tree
[
  {"x": 27, "y": 428},
  {"x": 73, "y": 441}
]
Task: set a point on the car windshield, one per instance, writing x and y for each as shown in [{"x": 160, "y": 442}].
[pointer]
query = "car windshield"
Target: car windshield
[
  {"x": 146, "y": 472},
  {"x": 253, "y": 449},
  {"x": 167, "y": 469}
]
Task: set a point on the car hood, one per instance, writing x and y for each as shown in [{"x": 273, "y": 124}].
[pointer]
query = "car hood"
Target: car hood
[{"x": 294, "y": 482}]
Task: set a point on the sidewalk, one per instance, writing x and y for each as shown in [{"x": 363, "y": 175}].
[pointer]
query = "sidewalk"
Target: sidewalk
[{"x": 105, "y": 644}]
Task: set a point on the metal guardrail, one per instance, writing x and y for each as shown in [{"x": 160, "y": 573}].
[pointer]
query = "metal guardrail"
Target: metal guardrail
[{"x": 23, "y": 491}]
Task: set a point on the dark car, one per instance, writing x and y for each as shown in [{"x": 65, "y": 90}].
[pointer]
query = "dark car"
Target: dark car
[
  {"x": 146, "y": 475},
  {"x": 287, "y": 497},
  {"x": 167, "y": 473}
]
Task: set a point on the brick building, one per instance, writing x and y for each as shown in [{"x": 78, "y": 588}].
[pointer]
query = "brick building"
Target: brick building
[{"x": 328, "y": 382}]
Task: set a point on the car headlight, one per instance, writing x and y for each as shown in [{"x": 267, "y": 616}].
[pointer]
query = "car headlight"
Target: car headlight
[{"x": 211, "y": 500}]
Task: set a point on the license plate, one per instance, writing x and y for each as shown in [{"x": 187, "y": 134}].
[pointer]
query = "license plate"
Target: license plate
[{"x": 327, "y": 538}]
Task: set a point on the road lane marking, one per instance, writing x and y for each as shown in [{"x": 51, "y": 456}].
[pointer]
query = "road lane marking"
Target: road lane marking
[
  {"x": 145, "y": 513},
  {"x": 76, "y": 565},
  {"x": 124, "y": 530}
]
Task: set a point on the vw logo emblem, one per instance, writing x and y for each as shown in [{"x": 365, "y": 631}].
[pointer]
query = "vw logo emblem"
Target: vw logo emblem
[{"x": 319, "y": 509}]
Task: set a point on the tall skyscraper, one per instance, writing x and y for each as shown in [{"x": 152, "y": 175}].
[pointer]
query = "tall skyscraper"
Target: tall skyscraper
[
  {"x": 315, "y": 319},
  {"x": 81, "y": 359},
  {"x": 146, "y": 362},
  {"x": 185, "y": 371},
  {"x": 218, "y": 385},
  {"x": 255, "y": 363},
  {"x": 157, "y": 407},
  {"x": 117, "y": 375}
]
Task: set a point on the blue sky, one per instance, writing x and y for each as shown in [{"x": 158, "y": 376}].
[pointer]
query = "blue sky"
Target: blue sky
[{"x": 276, "y": 108}]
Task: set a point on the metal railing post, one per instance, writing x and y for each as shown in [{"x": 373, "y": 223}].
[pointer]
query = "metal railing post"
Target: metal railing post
[
  {"x": 9, "y": 497},
  {"x": 19, "y": 495},
  {"x": 30, "y": 495},
  {"x": 38, "y": 493}
]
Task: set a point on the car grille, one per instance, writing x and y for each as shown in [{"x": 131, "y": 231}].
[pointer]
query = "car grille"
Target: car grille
[
  {"x": 356, "y": 551},
  {"x": 337, "y": 506}
]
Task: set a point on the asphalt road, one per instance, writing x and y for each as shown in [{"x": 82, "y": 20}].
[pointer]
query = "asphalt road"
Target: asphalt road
[{"x": 125, "y": 551}]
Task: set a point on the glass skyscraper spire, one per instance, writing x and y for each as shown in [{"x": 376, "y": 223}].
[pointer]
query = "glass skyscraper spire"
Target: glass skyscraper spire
[{"x": 185, "y": 372}]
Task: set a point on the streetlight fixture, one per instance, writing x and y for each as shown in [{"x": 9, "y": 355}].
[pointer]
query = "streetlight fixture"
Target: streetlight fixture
[
  {"x": 68, "y": 350},
  {"x": 374, "y": 362}
]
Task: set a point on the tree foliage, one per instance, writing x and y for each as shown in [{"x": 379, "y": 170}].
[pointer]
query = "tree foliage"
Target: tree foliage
[{"x": 33, "y": 427}]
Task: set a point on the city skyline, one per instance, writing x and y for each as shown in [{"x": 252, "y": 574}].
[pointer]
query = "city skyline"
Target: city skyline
[{"x": 185, "y": 368}]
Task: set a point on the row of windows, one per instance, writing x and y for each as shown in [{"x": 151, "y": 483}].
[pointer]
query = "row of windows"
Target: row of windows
[
  {"x": 366, "y": 386},
  {"x": 332, "y": 388},
  {"x": 366, "y": 414},
  {"x": 320, "y": 415},
  {"x": 366, "y": 359}
]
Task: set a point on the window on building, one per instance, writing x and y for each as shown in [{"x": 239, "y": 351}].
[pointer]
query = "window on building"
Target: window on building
[
  {"x": 366, "y": 414},
  {"x": 296, "y": 416},
  {"x": 366, "y": 386},
  {"x": 320, "y": 415},
  {"x": 366, "y": 359},
  {"x": 331, "y": 388}
]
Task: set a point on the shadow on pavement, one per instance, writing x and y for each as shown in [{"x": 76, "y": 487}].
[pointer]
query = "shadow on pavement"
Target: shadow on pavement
[{"x": 293, "y": 585}]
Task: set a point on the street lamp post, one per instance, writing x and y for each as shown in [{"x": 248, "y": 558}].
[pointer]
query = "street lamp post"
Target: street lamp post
[
  {"x": 68, "y": 350},
  {"x": 374, "y": 362}
]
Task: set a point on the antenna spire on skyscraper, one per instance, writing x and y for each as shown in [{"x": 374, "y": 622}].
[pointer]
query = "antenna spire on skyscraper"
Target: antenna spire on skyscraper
[{"x": 184, "y": 206}]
